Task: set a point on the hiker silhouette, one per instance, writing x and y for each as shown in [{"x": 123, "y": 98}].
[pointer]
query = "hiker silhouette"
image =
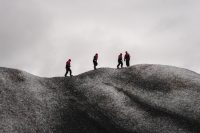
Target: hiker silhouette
[
  {"x": 120, "y": 62},
  {"x": 127, "y": 58},
  {"x": 95, "y": 61},
  {"x": 68, "y": 69}
]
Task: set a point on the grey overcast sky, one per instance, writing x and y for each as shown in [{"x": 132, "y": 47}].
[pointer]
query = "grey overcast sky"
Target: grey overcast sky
[{"x": 38, "y": 36}]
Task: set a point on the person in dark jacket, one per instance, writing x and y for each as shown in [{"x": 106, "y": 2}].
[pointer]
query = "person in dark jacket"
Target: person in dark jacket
[
  {"x": 68, "y": 69},
  {"x": 95, "y": 61},
  {"x": 120, "y": 62},
  {"x": 127, "y": 59}
]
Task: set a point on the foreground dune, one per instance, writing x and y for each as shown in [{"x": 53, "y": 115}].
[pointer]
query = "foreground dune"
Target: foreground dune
[{"x": 139, "y": 99}]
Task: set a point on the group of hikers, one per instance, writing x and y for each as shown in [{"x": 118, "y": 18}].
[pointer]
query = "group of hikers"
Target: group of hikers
[{"x": 95, "y": 63}]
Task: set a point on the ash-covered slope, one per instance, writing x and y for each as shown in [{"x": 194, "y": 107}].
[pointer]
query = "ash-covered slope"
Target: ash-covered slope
[{"x": 139, "y": 99}]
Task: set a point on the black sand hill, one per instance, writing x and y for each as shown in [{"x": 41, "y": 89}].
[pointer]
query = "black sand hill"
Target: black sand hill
[{"x": 139, "y": 99}]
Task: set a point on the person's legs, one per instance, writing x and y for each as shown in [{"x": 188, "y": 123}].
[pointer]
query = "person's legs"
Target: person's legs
[
  {"x": 118, "y": 64},
  {"x": 95, "y": 64},
  {"x": 70, "y": 71},
  {"x": 121, "y": 64},
  {"x": 127, "y": 63},
  {"x": 66, "y": 72}
]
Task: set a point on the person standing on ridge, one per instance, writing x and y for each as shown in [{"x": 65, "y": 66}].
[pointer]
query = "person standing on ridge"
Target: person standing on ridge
[
  {"x": 120, "y": 62},
  {"x": 127, "y": 59},
  {"x": 95, "y": 61},
  {"x": 68, "y": 69}
]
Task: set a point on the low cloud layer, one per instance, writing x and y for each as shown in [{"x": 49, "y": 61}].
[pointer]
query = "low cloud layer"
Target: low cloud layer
[{"x": 39, "y": 36}]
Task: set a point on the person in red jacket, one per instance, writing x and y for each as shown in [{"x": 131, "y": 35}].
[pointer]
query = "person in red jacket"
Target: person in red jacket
[
  {"x": 120, "y": 62},
  {"x": 127, "y": 59},
  {"x": 68, "y": 69},
  {"x": 95, "y": 61}
]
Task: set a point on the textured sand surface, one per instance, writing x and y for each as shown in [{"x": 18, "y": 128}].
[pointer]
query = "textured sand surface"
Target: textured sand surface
[{"x": 139, "y": 99}]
